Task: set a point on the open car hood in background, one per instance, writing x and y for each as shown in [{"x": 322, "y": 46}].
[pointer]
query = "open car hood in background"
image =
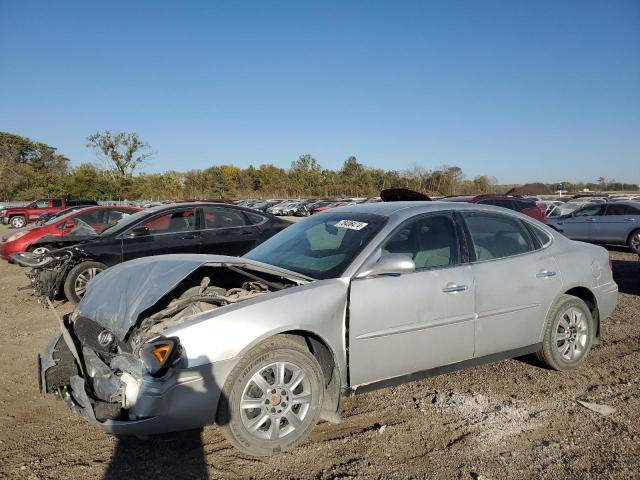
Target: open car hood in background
[{"x": 403, "y": 195}]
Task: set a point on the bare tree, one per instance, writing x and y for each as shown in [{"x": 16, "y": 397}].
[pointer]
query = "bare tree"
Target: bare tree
[{"x": 124, "y": 150}]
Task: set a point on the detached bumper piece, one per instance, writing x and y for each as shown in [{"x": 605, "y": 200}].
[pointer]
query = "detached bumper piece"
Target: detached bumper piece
[{"x": 59, "y": 374}]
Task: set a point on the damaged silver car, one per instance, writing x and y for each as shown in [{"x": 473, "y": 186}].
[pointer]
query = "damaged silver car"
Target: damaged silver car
[{"x": 358, "y": 298}]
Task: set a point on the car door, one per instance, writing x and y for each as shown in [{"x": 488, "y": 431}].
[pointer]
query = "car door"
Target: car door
[
  {"x": 228, "y": 231},
  {"x": 172, "y": 231},
  {"x": 618, "y": 221},
  {"x": 579, "y": 224},
  {"x": 516, "y": 279},
  {"x": 415, "y": 321}
]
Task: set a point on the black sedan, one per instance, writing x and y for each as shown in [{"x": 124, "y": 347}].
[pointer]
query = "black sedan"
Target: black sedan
[{"x": 197, "y": 227}]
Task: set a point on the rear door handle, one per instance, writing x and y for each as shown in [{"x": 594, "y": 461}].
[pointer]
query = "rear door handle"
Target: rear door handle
[
  {"x": 545, "y": 274},
  {"x": 590, "y": 220},
  {"x": 453, "y": 287},
  {"x": 188, "y": 237},
  {"x": 629, "y": 219}
]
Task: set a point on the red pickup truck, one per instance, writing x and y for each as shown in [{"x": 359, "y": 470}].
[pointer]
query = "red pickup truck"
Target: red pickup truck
[{"x": 18, "y": 217}]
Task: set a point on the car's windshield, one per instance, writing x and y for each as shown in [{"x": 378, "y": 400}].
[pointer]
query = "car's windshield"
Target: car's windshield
[
  {"x": 126, "y": 222},
  {"x": 321, "y": 246},
  {"x": 60, "y": 215}
]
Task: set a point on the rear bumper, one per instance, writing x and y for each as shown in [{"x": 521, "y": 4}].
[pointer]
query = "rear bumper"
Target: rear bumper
[
  {"x": 607, "y": 298},
  {"x": 185, "y": 398}
]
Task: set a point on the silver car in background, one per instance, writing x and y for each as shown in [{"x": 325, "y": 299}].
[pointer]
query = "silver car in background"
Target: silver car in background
[
  {"x": 355, "y": 299},
  {"x": 613, "y": 223}
]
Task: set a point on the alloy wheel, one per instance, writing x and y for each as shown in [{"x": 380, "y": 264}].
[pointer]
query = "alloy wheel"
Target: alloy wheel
[
  {"x": 80, "y": 285},
  {"x": 275, "y": 401},
  {"x": 571, "y": 334},
  {"x": 18, "y": 222},
  {"x": 635, "y": 242}
]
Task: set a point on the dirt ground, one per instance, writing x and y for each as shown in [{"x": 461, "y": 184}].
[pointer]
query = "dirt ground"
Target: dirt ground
[{"x": 507, "y": 420}]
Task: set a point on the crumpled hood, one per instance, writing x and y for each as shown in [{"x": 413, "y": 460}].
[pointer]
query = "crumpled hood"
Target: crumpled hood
[{"x": 117, "y": 297}]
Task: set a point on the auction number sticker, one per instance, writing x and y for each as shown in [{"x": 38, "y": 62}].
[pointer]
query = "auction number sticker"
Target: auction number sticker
[{"x": 351, "y": 224}]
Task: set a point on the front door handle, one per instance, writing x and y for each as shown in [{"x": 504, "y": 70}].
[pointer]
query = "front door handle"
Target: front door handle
[
  {"x": 629, "y": 219},
  {"x": 545, "y": 274},
  {"x": 590, "y": 220},
  {"x": 453, "y": 287},
  {"x": 188, "y": 237}
]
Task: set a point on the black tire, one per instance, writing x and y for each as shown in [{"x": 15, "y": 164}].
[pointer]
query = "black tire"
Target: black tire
[
  {"x": 19, "y": 221},
  {"x": 634, "y": 241},
  {"x": 75, "y": 274},
  {"x": 234, "y": 422},
  {"x": 556, "y": 352}
]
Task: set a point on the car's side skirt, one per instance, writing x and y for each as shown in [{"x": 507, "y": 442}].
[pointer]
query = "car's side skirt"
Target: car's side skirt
[{"x": 432, "y": 372}]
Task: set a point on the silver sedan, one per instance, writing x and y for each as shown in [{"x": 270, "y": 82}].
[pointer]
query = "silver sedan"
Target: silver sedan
[
  {"x": 357, "y": 298},
  {"x": 613, "y": 223}
]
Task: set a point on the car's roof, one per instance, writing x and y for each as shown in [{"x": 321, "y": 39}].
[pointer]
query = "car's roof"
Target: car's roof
[{"x": 166, "y": 206}]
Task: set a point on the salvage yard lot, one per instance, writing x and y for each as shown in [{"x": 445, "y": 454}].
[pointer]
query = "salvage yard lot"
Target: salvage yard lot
[{"x": 510, "y": 419}]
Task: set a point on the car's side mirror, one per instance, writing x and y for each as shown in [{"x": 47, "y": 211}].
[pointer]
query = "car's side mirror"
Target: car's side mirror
[
  {"x": 69, "y": 224},
  {"x": 137, "y": 232},
  {"x": 393, "y": 264}
]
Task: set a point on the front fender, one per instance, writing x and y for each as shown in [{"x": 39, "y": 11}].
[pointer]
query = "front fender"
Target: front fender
[{"x": 318, "y": 307}]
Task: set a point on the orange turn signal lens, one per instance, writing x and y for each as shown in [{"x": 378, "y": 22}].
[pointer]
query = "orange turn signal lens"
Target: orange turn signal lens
[{"x": 160, "y": 352}]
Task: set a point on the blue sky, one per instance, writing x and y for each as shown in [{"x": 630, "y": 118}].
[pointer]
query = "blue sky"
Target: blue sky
[{"x": 521, "y": 90}]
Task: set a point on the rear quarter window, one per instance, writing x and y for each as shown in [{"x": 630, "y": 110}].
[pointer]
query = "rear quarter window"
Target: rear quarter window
[{"x": 496, "y": 236}]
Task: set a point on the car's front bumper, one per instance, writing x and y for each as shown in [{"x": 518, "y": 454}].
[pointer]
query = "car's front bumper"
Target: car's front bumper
[{"x": 183, "y": 399}]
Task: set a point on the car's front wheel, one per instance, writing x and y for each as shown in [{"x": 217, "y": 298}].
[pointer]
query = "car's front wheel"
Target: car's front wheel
[
  {"x": 79, "y": 276},
  {"x": 19, "y": 221},
  {"x": 568, "y": 335},
  {"x": 272, "y": 398}
]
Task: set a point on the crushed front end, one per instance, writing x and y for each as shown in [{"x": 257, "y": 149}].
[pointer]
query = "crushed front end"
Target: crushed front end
[
  {"x": 47, "y": 272},
  {"x": 141, "y": 382}
]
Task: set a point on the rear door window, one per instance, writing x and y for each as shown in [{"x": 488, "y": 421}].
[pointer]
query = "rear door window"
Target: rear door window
[
  {"x": 497, "y": 236},
  {"x": 219, "y": 217},
  {"x": 617, "y": 209}
]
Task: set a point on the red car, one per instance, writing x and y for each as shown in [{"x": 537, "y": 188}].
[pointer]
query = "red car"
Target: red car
[
  {"x": 528, "y": 206},
  {"x": 98, "y": 218}
]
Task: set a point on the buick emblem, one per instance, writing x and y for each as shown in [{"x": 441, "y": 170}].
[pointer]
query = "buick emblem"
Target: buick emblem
[{"x": 105, "y": 338}]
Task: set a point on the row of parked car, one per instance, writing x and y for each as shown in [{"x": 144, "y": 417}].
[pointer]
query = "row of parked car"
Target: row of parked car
[
  {"x": 300, "y": 207},
  {"x": 266, "y": 340},
  {"x": 87, "y": 239}
]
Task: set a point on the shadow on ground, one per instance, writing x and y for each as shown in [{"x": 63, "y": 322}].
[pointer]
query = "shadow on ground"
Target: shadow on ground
[
  {"x": 174, "y": 455},
  {"x": 626, "y": 273}
]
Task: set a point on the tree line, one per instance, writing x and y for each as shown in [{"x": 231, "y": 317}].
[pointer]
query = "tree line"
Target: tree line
[{"x": 31, "y": 169}]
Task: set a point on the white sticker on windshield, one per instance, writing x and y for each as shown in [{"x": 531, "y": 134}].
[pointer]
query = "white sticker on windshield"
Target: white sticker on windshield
[{"x": 351, "y": 224}]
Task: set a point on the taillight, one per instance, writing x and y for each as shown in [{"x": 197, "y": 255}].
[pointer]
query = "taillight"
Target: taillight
[{"x": 610, "y": 263}]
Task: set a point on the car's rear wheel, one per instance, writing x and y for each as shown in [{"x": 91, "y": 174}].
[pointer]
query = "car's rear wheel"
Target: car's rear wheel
[
  {"x": 634, "y": 241},
  {"x": 568, "y": 334},
  {"x": 79, "y": 276},
  {"x": 271, "y": 400},
  {"x": 19, "y": 221}
]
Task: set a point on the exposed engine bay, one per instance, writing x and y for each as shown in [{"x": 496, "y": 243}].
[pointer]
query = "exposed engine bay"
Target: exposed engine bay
[{"x": 108, "y": 374}]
